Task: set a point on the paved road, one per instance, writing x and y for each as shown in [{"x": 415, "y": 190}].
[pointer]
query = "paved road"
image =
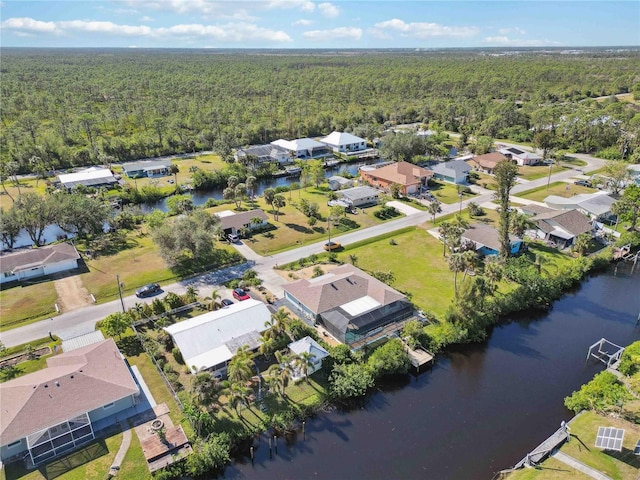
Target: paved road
[{"x": 83, "y": 320}]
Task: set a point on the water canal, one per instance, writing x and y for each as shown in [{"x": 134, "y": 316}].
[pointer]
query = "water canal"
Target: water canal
[{"x": 480, "y": 409}]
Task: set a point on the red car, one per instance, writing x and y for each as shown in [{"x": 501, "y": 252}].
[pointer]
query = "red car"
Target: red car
[{"x": 240, "y": 294}]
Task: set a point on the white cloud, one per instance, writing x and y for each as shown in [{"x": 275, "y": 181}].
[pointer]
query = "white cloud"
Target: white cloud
[
  {"x": 422, "y": 30},
  {"x": 227, "y": 33},
  {"x": 503, "y": 40},
  {"x": 507, "y": 31},
  {"x": 302, "y": 22},
  {"x": 208, "y": 8},
  {"x": 328, "y": 10},
  {"x": 147, "y": 19},
  {"x": 304, "y": 5},
  {"x": 341, "y": 33}
]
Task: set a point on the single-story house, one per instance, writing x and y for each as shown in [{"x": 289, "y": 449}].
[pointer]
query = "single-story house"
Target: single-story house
[
  {"x": 38, "y": 262},
  {"x": 210, "y": 340},
  {"x": 359, "y": 196},
  {"x": 521, "y": 157},
  {"x": 596, "y": 205},
  {"x": 234, "y": 222},
  {"x": 89, "y": 177},
  {"x": 313, "y": 348},
  {"x": 354, "y": 307},
  {"x": 303, "y": 147},
  {"x": 562, "y": 226},
  {"x": 54, "y": 410},
  {"x": 342, "y": 142},
  {"x": 532, "y": 209},
  {"x": 337, "y": 182},
  {"x": 147, "y": 168},
  {"x": 487, "y": 239},
  {"x": 264, "y": 153},
  {"x": 454, "y": 171},
  {"x": 486, "y": 163},
  {"x": 410, "y": 177}
]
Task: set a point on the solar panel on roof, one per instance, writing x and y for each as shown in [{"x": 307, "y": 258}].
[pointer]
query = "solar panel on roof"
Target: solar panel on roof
[
  {"x": 610, "y": 438},
  {"x": 636, "y": 451}
]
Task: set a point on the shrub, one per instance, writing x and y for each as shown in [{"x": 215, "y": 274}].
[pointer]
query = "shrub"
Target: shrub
[
  {"x": 177, "y": 355},
  {"x": 389, "y": 359},
  {"x": 630, "y": 361},
  {"x": 350, "y": 381},
  {"x": 600, "y": 394}
]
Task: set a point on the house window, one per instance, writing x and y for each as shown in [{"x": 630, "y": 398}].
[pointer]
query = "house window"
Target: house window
[
  {"x": 14, "y": 444},
  {"x": 108, "y": 405}
]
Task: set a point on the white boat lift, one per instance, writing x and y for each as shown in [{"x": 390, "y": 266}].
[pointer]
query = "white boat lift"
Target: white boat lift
[{"x": 607, "y": 352}]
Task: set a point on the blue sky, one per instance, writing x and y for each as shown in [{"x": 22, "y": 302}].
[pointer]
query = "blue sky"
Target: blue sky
[{"x": 317, "y": 24}]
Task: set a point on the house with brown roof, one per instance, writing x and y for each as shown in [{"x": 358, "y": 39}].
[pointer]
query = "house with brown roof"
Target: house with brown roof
[
  {"x": 38, "y": 262},
  {"x": 410, "y": 177},
  {"x": 354, "y": 307},
  {"x": 486, "y": 163},
  {"x": 562, "y": 226},
  {"x": 487, "y": 239},
  {"x": 54, "y": 410}
]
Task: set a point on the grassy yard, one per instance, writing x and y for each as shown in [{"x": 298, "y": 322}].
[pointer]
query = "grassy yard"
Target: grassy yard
[
  {"x": 485, "y": 180},
  {"x": 575, "y": 162},
  {"x": 27, "y": 185},
  {"x": 551, "y": 469},
  {"x": 27, "y": 304},
  {"x": 617, "y": 465},
  {"x": 533, "y": 172},
  {"x": 561, "y": 189},
  {"x": 447, "y": 192},
  {"x": 134, "y": 465}
]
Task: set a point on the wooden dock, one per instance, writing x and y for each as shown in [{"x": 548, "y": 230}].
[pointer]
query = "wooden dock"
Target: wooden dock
[
  {"x": 545, "y": 448},
  {"x": 419, "y": 357}
]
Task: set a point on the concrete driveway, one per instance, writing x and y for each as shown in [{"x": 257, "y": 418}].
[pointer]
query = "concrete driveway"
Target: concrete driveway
[{"x": 403, "y": 207}]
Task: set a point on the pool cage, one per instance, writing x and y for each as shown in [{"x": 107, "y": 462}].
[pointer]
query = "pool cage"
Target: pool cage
[{"x": 63, "y": 437}]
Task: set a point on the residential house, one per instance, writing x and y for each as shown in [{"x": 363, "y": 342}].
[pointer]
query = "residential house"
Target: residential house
[
  {"x": 210, "y": 340},
  {"x": 264, "y": 154},
  {"x": 147, "y": 168},
  {"x": 486, "y": 163},
  {"x": 314, "y": 349},
  {"x": 532, "y": 209},
  {"x": 634, "y": 174},
  {"x": 38, "y": 262},
  {"x": 337, "y": 182},
  {"x": 487, "y": 239},
  {"x": 521, "y": 157},
  {"x": 346, "y": 143},
  {"x": 232, "y": 223},
  {"x": 54, "y": 410},
  {"x": 89, "y": 177},
  {"x": 596, "y": 205},
  {"x": 454, "y": 171},
  {"x": 359, "y": 196},
  {"x": 410, "y": 177},
  {"x": 562, "y": 226},
  {"x": 303, "y": 148},
  {"x": 352, "y": 306}
]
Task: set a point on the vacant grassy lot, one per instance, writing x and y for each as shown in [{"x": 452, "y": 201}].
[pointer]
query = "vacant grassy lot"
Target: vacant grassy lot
[
  {"x": 533, "y": 172},
  {"x": 561, "y": 189},
  {"x": 27, "y": 304},
  {"x": 447, "y": 192},
  {"x": 27, "y": 185}
]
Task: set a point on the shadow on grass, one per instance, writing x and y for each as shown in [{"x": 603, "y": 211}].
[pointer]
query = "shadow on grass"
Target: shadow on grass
[
  {"x": 298, "y": 228},
  {"x": 130, "y": 346},
  {"x": 625, "y": 456}
]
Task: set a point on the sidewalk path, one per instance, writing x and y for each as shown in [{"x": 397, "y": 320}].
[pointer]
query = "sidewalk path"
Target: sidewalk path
[
  {"x": 122, "y": 451},
  {"x": 581, "y": 467}
]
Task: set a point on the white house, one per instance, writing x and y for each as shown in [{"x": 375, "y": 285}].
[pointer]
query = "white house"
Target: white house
[
  {"x": 264, "y": 153},
  {"x": 596, "y": 205},
  {"x": 521, "y": 157},
  {"x": 233, "y": 222},
  {"x": 337, "y": 182},
  {"x": 314, "y": 349},
  {"x": 343, "y": 142},
  {"x": 210, "y": 340},
  {"x": 359, "y": 196},
  {"x": 302, "y": 147},
  {"x": 38, "y": 262},
  {"x": 147, "y": 168},
  {"x": 455, "y": 171},
  {"x": 90, "y": 177}
]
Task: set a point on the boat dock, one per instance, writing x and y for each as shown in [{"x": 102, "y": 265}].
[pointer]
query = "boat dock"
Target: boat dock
[
  {"x": 419, "y": 357},
  {"x": 545, "y": 448}
]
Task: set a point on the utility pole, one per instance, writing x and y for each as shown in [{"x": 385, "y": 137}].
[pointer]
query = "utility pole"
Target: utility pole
[
  {"x": 120, "y": 292},
  {"x": 549, "y": 179}
]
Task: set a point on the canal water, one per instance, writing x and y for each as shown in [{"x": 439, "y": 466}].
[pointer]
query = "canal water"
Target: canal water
[{"x": 479, "y": 410}]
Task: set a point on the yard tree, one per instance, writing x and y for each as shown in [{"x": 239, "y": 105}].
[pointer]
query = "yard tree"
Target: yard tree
[
  {"x": 581, "y": 245},
  {"x": 505, "y": 174},
  {"x": 278, "y": 203},
  {"x": 350, "y": 380},
  {"x": 617, "y": 174},
  {"x": 395, "y": 189},
  {"x": 205, "y": 388},
  {"x": 239, "y": 192},
  {"x": 81, "y": 215},
  {"x": 520, "y": 223},
  {"x": 456, "y": 264},
  {"x": 174, "y": 170},
  {"x": 9, "y": 227},
  {"x": 450, "y": 233},
  {"x": 35, "y": 212},
  {"x": 238, "y": 395},
  {"x": 316, "y": 171},
  {"x": 434, "y": 208},
  {"x": 241, "y": 365},
  {"x": 544, "y": 140},
  {"x": 304, "y": 361},
  {"x": 269, "y": 195},
  {"x": 389, "y": 359},
  {"x": 116, "y": 324},
  {"x": 628, "y": 205},
  {"x": 493, "y": 270},
  {"x": 251, "y": 183}
]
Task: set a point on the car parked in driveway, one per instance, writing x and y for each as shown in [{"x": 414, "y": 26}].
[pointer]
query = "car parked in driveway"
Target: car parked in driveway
[
  {"x": 225, "y": 302},
  {"x": 148, "y": 290},
  {"x": 583, "y": 183},
  {"x": 240, "y": 294}
]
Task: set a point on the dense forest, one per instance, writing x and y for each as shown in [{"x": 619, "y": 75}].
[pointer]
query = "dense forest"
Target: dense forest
[{"x": 63, "y": 108}]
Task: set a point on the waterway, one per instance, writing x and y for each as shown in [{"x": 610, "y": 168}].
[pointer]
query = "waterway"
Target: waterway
[{"x": 479, "y": 410}]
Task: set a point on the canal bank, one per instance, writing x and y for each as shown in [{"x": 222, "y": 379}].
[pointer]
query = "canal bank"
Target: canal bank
[{"x": 480, "y": 409}]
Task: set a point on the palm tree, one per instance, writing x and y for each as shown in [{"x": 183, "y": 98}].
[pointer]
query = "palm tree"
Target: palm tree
[
  {"x": 582, "y": 243},
  {"x": 238, "y": 395},
  {"x": 353, "y": 259},
  {"x": 174, "y": 170},
  {"x": 278, "y": 203},
  {"x": 304, "y": 361},
  {"x": 282, "y": 319},
  {"x": 456, "y": 264},
  {"x": 434, "y": 208},
  {"x": 205, "y": 388},
  {"x": 471, "y": 262},
  {"x": 520, "y": 223},
  {"x": 251, "y": 183},
  {"x": 493, "y": 270},
  {"x": 212, "y": 301},
  {"x": 191, "y": 294},
  {"x": 241, "y": 365},
  {"x": 276, "y": 383}
]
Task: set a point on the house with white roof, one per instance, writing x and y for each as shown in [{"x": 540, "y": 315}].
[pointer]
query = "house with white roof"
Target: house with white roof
[
  {"x": 147, "y": 168},
  {"x": 336, "y": 182},
  {"x": 352, "y": 306},
  {"x": 454, "y": 171},
  {"x": 314, "y": 349},
  {"x": 89, "y": 177},
  {"x": 264, "y": 154},
  {"x": 303, "y": 148},
  {"x": 520, "y": 156},
  {"x": 342, "y": 142},
  {"x": 359, "y": 196},
  {"x": 596, "y": 205},
  {"x": 210, "y": 340}
]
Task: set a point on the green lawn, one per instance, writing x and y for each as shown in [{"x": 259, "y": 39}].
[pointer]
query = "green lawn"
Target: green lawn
[
  {"x": 561, "y": 189},
  {"x": 27, "y": 185},
  {"x": 134, "y": 465},
  {"x": 447, "y": 192},
  {"x": 485, "y": 180},
  {"x": 576, "y": 162},
  {"x": 551, "y": 469},
  {"x": 533, "y": 172},
  {"x": 20, "y": 305}
]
